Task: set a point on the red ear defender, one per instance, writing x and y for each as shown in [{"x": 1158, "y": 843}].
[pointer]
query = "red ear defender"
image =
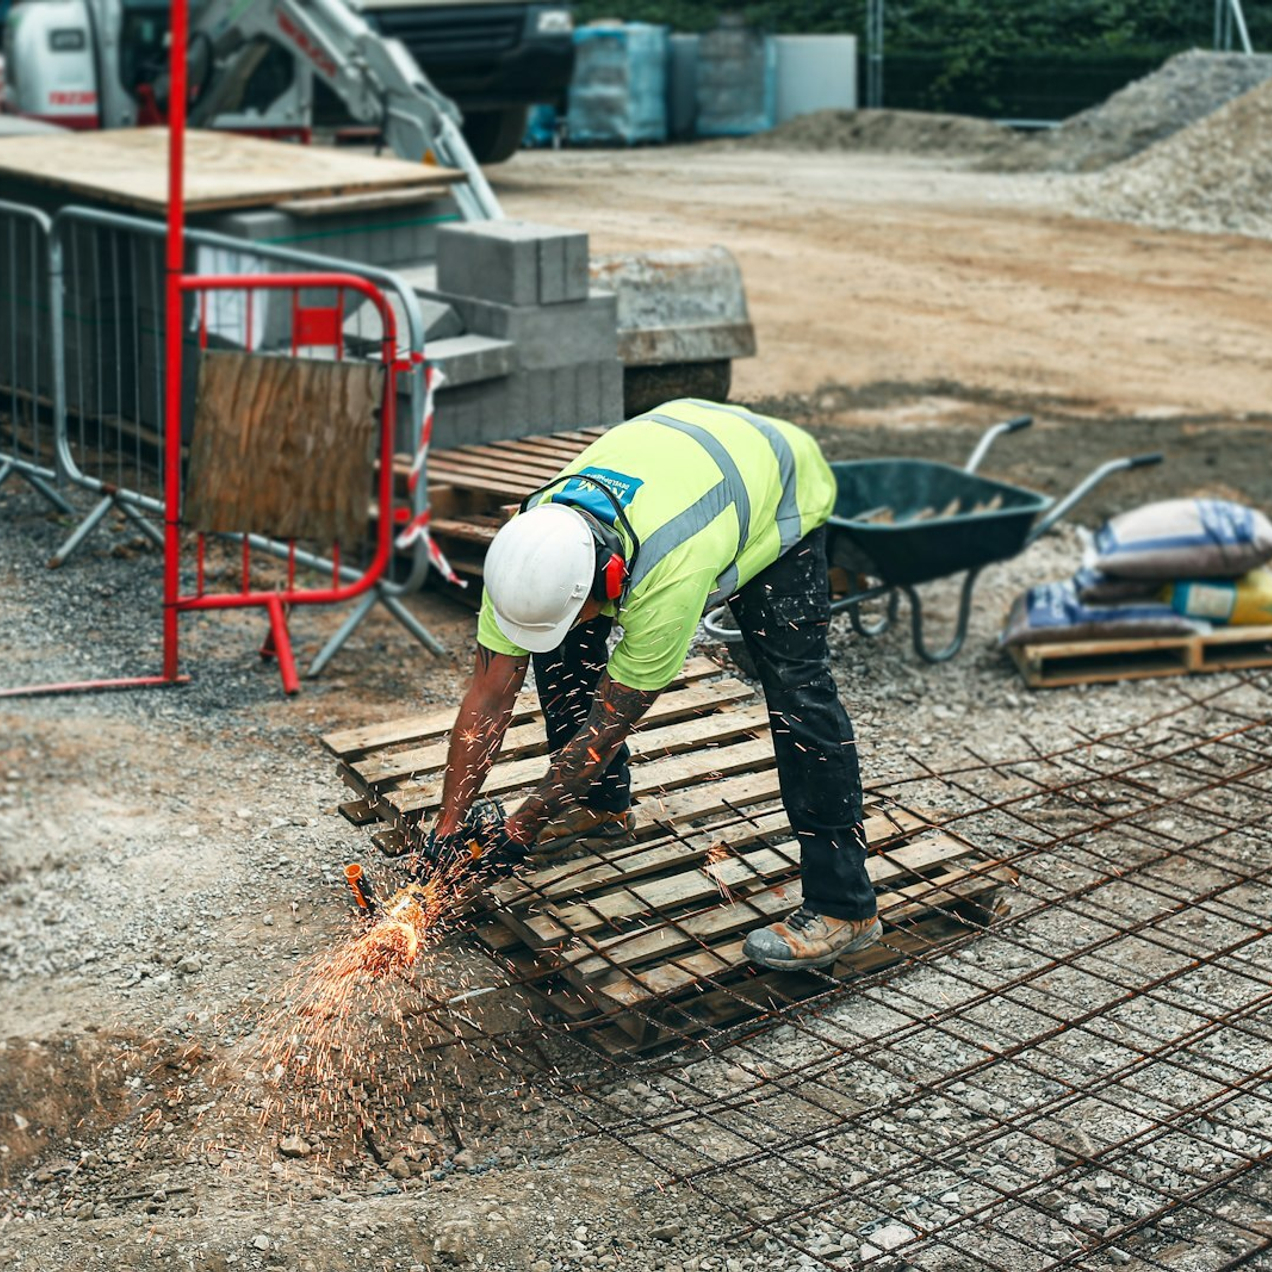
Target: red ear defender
[{"x": 615, "y": 574}]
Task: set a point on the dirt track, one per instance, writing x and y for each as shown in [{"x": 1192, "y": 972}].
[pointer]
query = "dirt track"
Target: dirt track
[
  {"x": 864, "y": 269},
  {"x": 167, "y": 862}
]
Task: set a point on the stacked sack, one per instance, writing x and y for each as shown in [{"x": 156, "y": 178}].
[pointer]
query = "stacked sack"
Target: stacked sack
[{"x": 1171, "y": 568}]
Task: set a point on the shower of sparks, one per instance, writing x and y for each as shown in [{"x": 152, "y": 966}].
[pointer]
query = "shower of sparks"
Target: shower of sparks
[
  {"x": 715, "y": 857},
  {"x": 343, "y": 1047}
]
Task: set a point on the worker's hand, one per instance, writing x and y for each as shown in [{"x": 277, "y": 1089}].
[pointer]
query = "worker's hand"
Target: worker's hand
[
  {"x": 501, "y": 853},
  {"x": 484, "y": 844},
  {"x": 436, "y": 854}
]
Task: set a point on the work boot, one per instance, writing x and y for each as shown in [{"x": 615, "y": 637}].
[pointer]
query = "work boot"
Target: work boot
[
  {"x": 806, "y": 940},
  {"x": 583, "y": 824}
]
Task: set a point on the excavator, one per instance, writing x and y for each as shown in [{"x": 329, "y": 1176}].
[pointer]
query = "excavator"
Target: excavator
[{"x": 103, "y": 64}]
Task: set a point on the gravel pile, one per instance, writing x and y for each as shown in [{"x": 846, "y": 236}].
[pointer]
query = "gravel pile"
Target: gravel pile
[
  {"x": 1183, "y": 90},
  {"x": 1215, "y": 177}
]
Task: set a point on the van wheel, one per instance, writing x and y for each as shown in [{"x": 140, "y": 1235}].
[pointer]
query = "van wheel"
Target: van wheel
[{"x": 495, "y": 135}]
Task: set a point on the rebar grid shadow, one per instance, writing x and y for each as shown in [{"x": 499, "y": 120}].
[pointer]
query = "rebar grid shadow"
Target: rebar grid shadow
[{"x": 1088, "y": 1075}]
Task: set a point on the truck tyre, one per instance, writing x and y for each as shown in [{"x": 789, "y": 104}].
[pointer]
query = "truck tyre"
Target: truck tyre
[{"x": 495, "y": 135}]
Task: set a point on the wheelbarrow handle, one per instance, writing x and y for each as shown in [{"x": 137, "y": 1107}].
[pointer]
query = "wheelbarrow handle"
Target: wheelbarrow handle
[
  {"x": 1086, "y": 486},
  {"x": 991, "y": 436}
]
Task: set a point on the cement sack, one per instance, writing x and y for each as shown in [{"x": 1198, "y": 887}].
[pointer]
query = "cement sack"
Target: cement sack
[
  {"x": 1052, "y": 612},
  {"x": 1243, "y": 602},
  {"x": 1183, "y": 539},
  {"x": 1096, "y": 588}
]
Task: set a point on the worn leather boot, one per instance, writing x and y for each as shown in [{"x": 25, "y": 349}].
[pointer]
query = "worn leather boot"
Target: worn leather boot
[
  {"x": 583, "y": 824},
  {"x": 806, "y": 940}
]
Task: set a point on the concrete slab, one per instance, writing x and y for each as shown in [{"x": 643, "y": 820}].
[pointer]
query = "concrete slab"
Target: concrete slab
[{"x": 512, "y": 262}]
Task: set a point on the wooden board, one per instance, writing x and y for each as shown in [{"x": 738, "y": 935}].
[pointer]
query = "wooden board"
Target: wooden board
[
  {"x": 303, "y": 429},
  {"x": 129, "y": 166},
  {"x": 639, "y": 943},
  {"x": 1053, "y": 666}
]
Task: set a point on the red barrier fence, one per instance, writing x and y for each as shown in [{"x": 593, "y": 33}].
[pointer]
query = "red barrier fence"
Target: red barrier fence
[{"x": 313, "y": 327}]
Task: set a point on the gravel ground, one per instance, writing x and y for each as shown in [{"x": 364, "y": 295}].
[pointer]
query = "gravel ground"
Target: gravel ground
[{"x": 170, "y": 861}]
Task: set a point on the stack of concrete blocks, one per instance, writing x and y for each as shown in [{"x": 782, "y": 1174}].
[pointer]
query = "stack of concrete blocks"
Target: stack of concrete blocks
[{"x": 539, "y": 348}]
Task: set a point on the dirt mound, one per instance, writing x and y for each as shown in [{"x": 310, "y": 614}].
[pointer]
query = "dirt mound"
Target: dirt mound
[
  {"x": 886, "y": 131},
  {"x": 1187, "y": 88},
  {"x": 1179, "y": 93},
  {"x": 1215, "y": 176}
]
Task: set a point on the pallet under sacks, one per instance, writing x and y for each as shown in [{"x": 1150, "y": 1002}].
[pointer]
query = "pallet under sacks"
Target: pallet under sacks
[{"x": 641, "y": 945}]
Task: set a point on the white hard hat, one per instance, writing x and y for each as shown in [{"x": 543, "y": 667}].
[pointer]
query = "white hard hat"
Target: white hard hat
[{"x": 538, "y": 572}]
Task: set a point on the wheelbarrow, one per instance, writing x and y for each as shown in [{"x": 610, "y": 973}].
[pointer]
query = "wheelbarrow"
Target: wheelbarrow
[{"x": 898, "y": 523}]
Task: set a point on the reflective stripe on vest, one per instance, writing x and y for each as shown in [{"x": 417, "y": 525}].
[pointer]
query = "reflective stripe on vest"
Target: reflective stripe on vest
[
  {"x": 731, "y": 489},
  {"x": 789, "y": 521}
]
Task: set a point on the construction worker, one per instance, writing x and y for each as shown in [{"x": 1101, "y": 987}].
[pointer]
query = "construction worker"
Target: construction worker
[{"x": 661, "y": 518}]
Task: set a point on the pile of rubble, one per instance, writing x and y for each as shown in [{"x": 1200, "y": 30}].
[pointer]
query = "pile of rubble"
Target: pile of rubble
[{"x": 1214, "y": 177}]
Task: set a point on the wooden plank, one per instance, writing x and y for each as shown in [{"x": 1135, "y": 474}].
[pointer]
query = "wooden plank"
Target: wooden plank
[
  {"x": 752, "y": 995},
  {"x": 267, "y": 411},
  {"x": 735, "y": 873},
  {"x": 549, "y": 447},
  {"x": 593, "y": 959},
  {"x": 416, "y": 728},
  {"x": 223, "y": 170},
  {"x": 468, "y": 531},
  {"x": 631, "y": 990},
  {"x": 683, "y": 708},
  {"x": 594, "y": 871},
  {"x": 655, "y": 777},
  {"x": 359, "y": 812},
  {"x": 509, "y": 460},
  {"x": 369, "y": 201},
  {"x": 489, "y": 477},
  {"x": 1065, "y": 663},
  {"x": 461, "y": 471}
]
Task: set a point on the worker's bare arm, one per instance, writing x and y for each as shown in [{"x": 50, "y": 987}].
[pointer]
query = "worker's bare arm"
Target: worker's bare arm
[
  {"x": 479, "y": 732},
  {"x": 615, "y": 711}
]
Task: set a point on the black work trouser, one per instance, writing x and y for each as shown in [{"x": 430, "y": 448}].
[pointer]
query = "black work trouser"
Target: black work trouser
[{"x": 784, "y": 614}]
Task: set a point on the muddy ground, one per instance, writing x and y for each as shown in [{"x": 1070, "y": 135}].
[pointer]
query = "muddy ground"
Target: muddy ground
[{"x": 170, "y": 860}]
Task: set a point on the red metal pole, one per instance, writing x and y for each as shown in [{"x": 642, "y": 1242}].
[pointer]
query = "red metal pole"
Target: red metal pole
[{"x": 175, "y": 261}]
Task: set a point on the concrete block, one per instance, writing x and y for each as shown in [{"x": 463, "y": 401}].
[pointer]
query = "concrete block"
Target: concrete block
[
  {"x": 467, "y": 359},
  {"x": 599, "y": 393},
  {"x": 547, "y": 335},
  {"x": 512, "y": 262},
  {"x": 440, "y": 320},
  {"x": 386, "y": 237}
]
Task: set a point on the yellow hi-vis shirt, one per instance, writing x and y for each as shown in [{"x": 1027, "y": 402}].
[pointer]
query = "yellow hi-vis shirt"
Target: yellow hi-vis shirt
[{"x": 716, "y": 494}]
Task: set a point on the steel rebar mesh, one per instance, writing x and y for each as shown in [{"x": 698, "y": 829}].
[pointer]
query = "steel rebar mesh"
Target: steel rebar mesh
[{"x": 1080, "y": 1083}]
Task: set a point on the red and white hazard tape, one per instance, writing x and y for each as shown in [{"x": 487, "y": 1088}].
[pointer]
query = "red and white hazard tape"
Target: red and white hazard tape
[{"x": 417, "y": 527}]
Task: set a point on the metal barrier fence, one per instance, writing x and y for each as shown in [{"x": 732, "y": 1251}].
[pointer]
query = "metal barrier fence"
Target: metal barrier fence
[
  {"x": 26, "y": 353},
  {"x": 107, "y": 329},
  {"x": 303, "y": 323}
]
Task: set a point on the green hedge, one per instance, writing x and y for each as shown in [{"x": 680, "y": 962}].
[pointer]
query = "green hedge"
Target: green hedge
[{"x": 1026, "y": 58}]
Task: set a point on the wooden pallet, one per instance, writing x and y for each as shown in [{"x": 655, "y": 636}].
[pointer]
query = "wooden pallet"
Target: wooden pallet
[
  {"x": 474, "y": 489},
  {"x": 641, "y": 944},
  {"x": 1052, "y": 666}
]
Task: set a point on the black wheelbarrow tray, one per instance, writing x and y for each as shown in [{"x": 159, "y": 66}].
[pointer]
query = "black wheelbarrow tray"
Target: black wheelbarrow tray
[{"x": 898, "y": 523}]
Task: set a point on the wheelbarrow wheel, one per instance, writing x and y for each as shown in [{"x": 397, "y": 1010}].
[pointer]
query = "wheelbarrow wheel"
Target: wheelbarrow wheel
[
  {"x": 720, "y": 625},
  {"x": 880, "y": 625}
]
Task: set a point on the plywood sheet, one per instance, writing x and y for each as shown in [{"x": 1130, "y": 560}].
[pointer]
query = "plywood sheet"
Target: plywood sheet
[
  {"x": 283, "y": 447},
  {"x": 129, "y": 166}
]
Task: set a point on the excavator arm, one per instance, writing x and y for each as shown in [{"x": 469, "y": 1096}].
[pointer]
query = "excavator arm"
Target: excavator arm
[{"x": 377, "y": 79}]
